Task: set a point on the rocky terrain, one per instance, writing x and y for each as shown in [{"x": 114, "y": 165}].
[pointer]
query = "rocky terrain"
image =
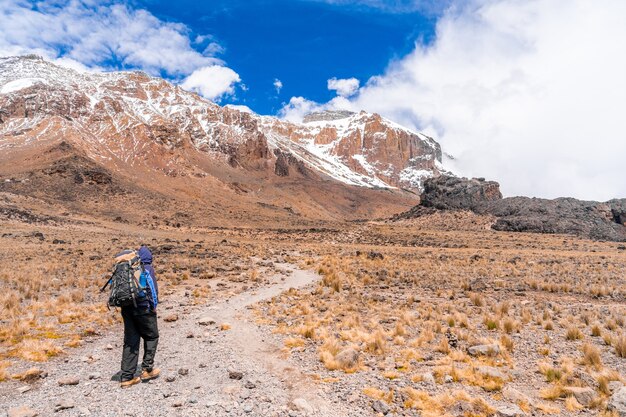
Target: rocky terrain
[
  {"x": 589, "y": 219},
  {"x": 434, "y": 316}
]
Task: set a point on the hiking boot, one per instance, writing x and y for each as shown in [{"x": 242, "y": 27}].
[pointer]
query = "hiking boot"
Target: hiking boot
[
  {"x": 130, "y": 382},
  {"x": 147, "y": 376}
]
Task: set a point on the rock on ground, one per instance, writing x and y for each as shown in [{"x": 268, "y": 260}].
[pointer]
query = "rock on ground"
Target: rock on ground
[{"x": 617, "y": 402}]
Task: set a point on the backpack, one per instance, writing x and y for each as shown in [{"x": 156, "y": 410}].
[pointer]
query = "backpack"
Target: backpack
[
  {"x": 147, "y": 288},
  {"x": 125, "y": 284}
]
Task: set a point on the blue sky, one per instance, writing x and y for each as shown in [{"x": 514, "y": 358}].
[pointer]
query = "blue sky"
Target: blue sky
[{"x": 300, "y": 43}]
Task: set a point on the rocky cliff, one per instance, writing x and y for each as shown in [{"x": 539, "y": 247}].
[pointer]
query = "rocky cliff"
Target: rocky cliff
[{"x": 590, "y": 219}]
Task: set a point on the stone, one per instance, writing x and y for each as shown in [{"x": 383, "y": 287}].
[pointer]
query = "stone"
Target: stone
[
  {"x": 170, "y": 378},
  {"x": 183, "y": 371},
  {"x": 615, "y": 385},
  {"x": 83, "y": 411},
  {"x": 380, "y": 407},
  {"x": 484, "y": 350},
  {"x": 510, "y": 410},
  {"x": 448, "y": 379},
  {"x": 206, "y": 321},
  {"x": 109, "y": 347},
  {"x": 22, "y": 411},
  {"x": 347, "y": 358},
  {"x": 617, "y": 402},
  {"x": 70, "y": 380},
  {"x": 584, "y": 395},
  {"x": 177, "y": 403},
  {"x": 491, "y": 372},
  {"x": 303, "y": 405},
  {"x": 234, "y": 374},
  {"x": 32, "y": 374},
  {"x": 171, "y": 318},
  {"x": 95, "y": 375},
  {"x": 64, "y": 405},
  {"x": 514, "y": 395},
  {"x": 250, "y": 385},
  {"x": 23, "y": 389},
  {"x": 428, "y": 378},
  {"x": 247, "y": 407}
]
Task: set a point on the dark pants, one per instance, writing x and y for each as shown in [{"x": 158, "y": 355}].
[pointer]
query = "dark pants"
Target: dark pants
[{"x": 138, "y": 323}]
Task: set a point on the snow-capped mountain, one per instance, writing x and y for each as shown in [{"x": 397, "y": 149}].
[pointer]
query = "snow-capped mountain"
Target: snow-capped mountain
[
  {"x": 132, "y": 119},
  {"x": 360, "y": 148}
]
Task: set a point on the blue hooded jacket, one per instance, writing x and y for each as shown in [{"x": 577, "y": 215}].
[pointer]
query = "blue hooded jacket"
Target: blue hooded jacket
[{"x": 146, "y": 259}]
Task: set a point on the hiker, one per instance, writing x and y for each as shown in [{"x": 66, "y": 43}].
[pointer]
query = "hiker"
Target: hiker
[{"x": 134, "y": 289}]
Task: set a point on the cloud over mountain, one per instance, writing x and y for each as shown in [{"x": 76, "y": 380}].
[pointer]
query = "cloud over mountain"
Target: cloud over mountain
[
  {"x": 111, "y": 35},
  {"x": 526, "y": 92}
]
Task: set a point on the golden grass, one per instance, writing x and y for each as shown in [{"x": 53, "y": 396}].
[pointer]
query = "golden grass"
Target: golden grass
[
  {"x": 620, "y": 346},
  {"x": 571, "y": 404},
  {"x": 591, "y": 356},
  {"x": 573, "y": 333}
]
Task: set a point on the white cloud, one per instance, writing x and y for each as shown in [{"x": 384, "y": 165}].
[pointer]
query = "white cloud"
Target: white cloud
[
  {"x": 529, "y": 93},
  {"x": 298, "y": 107},
  {"x": 278, "y": 85},
  {"x": 212, "y": 82},
  {"x": 344, "y": 87},
  {"x": 105, "y": 35}
]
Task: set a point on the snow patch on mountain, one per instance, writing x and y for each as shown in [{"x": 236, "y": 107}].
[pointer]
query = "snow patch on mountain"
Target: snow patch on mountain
[{"x": 20, "y": 84}]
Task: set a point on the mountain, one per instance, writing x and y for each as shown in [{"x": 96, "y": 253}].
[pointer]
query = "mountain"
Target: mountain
[
  {"x": 114, "y": 113},
  {"x": 62, "y": 131}
]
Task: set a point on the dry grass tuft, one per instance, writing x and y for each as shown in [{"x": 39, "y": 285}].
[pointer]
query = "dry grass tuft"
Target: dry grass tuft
[
  {"x": 620, "y": 346},
  {"x": 591, "y": 356},
  {"x": 573, "y": 333}
]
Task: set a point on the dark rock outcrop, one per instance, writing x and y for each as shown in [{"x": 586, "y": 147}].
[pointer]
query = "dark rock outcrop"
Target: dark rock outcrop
[
  {"x": 588, "y": 219},
  {"x": 449, "y": 193}
]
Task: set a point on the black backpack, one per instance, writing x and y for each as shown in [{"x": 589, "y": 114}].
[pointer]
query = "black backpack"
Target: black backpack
[{"x": 125, "y": 288}]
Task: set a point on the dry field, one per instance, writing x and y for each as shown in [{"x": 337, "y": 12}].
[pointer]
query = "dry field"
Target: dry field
[
  {"x": 472, "y": 322},
  {"x": 434, "y": 317}
]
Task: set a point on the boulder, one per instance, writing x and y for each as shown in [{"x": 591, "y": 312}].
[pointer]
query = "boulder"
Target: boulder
[
  {"x": 64, "y": 405},
  {"x": 452, "y": 193},
  {"x": 70, "y": 380},
  {"x": 347, "y": 358},
  {"x": 484, "y": 350},
  {"x": 584, "y": 395},
  {"x": 206, "y": 321},
  {"x": 491, "y": 372},
  {"x": 617, "y": 402},
  {"x": 171, "y": 318},
  {"x": 380, "y": 407},
  {"x": 514, "y": 395},
  {"x": 510, "y": 410}
]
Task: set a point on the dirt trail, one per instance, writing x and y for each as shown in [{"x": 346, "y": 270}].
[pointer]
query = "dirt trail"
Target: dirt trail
[{"x": 195, "y": 361}]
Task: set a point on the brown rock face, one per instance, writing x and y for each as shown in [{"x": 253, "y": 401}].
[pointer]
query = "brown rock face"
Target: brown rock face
[
  {"x": 368, "y": 145},
  {"x": 130, "y": 118}
]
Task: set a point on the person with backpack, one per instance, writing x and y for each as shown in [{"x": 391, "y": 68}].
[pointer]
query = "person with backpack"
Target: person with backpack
[{"x": 134, "y": 289}]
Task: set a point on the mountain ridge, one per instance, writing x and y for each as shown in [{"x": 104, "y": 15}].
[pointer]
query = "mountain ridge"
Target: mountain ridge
[{"x": 112, "y": 110}]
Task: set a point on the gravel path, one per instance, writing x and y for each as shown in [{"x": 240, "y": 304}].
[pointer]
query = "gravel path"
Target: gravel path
[{"x": 205, "y": 371}]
